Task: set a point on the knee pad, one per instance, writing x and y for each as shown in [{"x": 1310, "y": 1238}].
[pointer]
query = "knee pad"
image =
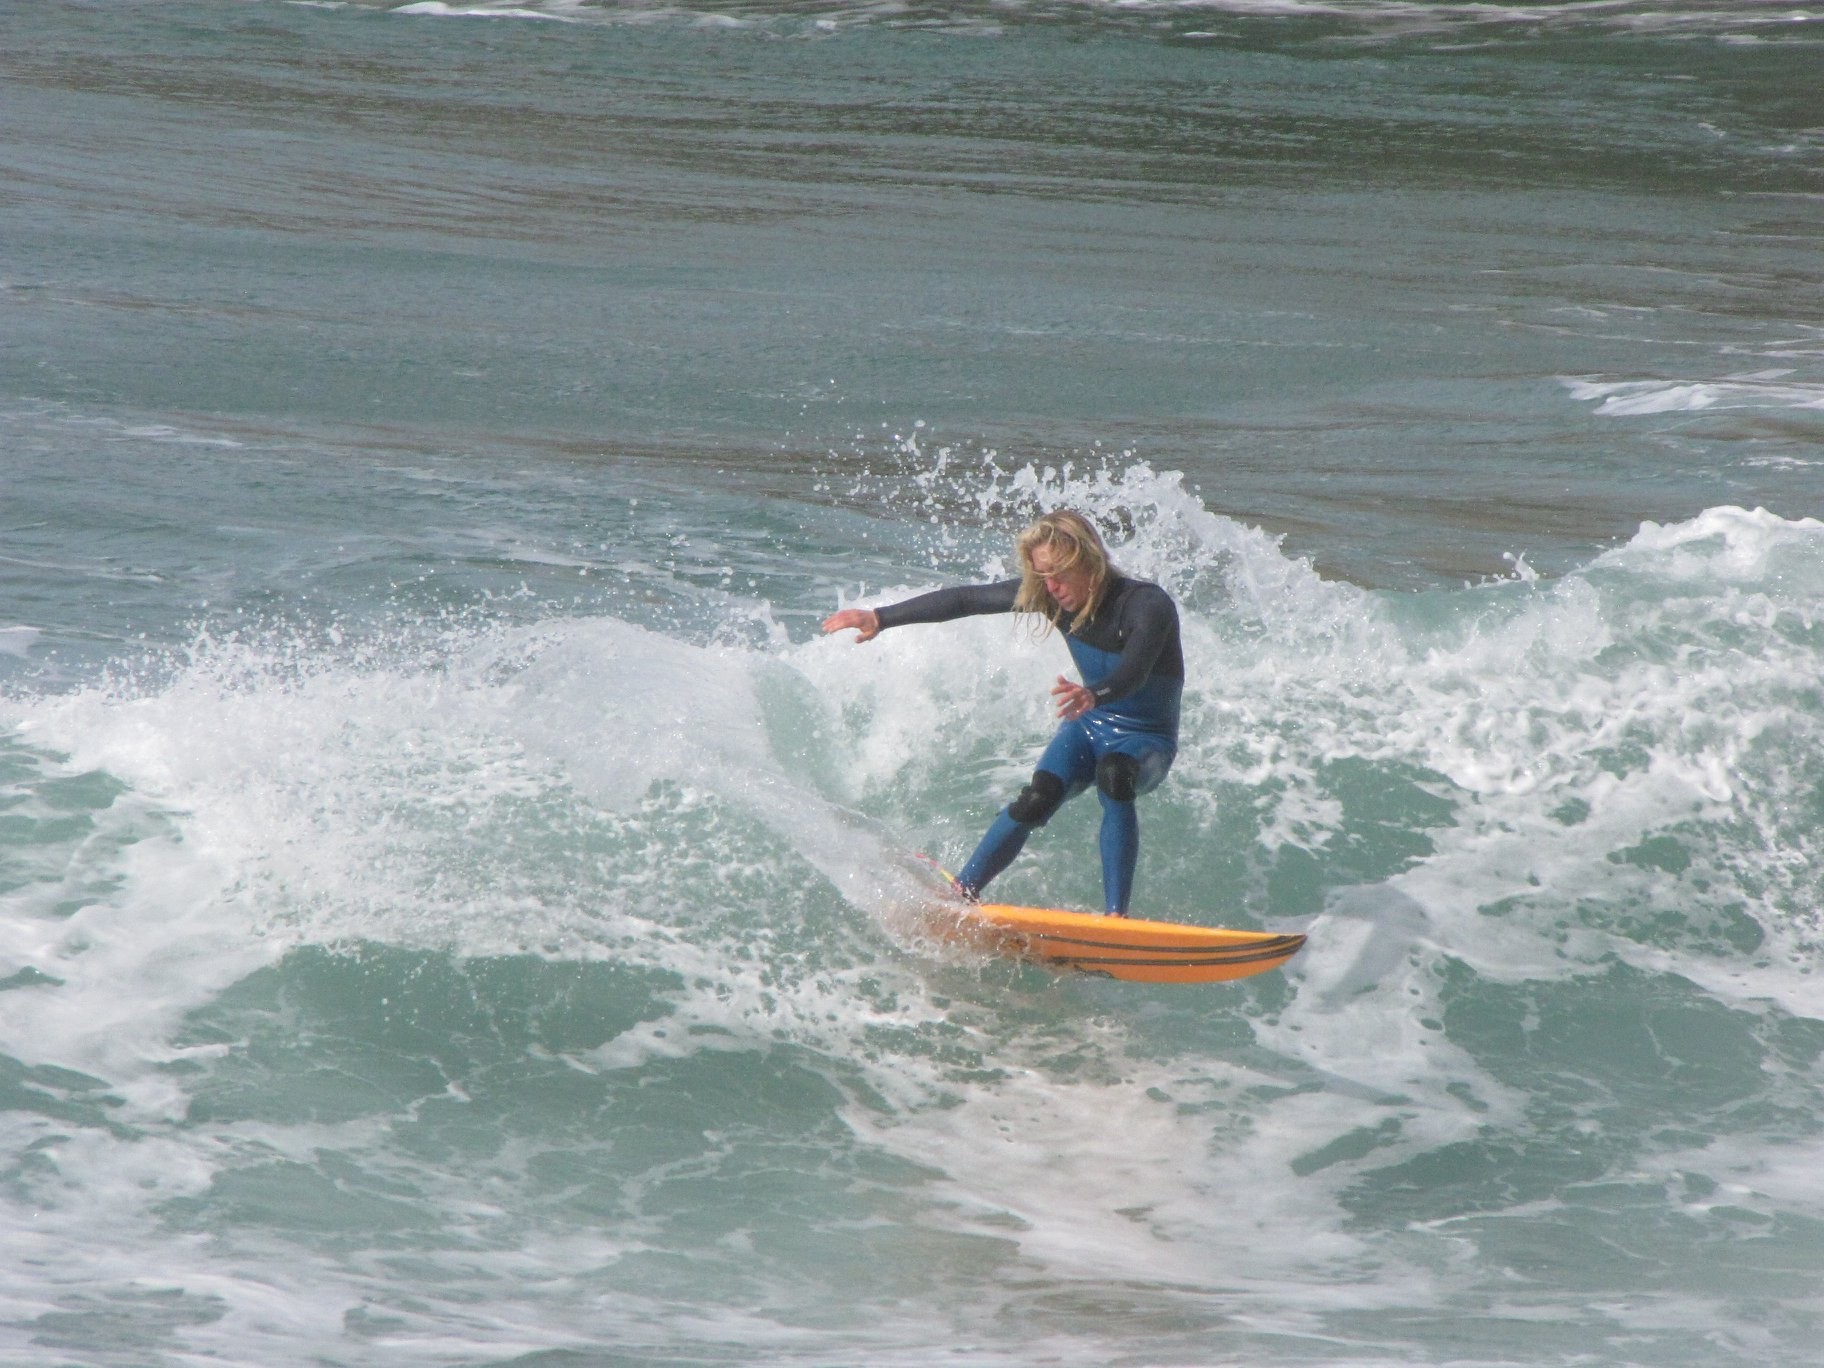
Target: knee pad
[
  {"x": 1118, "y": 777},
  {"x": 1038, "y": 800}
]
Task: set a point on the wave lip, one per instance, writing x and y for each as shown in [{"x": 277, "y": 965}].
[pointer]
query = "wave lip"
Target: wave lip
[
  {"x": 1761, "y": 390},
  {"x": 443, "y": 9},
  {"x": 576, "y": 935}
]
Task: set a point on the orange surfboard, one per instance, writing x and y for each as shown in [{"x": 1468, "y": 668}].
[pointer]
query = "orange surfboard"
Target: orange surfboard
[{"x": 1118, "y": 947}]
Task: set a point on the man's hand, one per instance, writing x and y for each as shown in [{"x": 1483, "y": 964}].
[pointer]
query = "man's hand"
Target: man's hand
[
  {"x": 1073, "y": 699},
  {"x": 865, "y": 621}
]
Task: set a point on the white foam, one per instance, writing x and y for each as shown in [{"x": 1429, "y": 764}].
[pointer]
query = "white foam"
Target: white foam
[
  {"x": 1633, "y": 398},
  {"x": 161, "y": 432},
  {"x": 279, "y": 793},
  {"x": 1734, "y": 544},
  {"x": 443, "y": 10}
]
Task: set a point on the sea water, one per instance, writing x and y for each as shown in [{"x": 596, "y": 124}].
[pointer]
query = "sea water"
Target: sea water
[{"x": 457, "y": 909}]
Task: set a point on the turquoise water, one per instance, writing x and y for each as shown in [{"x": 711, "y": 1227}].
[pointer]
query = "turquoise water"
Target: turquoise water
[{"x": 456, "y": 909}]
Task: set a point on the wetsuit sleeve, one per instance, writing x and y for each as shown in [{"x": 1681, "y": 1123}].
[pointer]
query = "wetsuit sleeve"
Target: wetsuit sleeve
[
  {"x": 1153, "y": 622},
  {"x": 941, "y": 605}
]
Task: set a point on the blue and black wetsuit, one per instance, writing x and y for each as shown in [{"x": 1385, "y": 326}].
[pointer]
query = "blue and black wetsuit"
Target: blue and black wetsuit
[{"x": 1131, "y": 658}]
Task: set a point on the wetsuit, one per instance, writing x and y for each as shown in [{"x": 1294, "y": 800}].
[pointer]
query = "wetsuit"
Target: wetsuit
[{"x": 1131, "y": 658}]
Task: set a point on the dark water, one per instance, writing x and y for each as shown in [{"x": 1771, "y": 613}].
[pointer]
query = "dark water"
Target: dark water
[{"x": 454, "y": 908}]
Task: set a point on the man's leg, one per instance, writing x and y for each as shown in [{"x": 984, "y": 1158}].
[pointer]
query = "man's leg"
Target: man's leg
[
  {"x": 1121, "y": 777},
  {"x": 1064, "y": 770}
]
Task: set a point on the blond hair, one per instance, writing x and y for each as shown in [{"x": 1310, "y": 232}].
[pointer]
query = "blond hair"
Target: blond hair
[{"x": 1072, "y": 541}]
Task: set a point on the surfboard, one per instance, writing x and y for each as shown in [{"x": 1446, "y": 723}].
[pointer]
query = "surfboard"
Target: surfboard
[{"x": 1118, "y": 947}]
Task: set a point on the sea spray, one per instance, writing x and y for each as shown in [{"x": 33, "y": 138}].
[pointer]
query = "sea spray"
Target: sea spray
[{"x": 572, "y": 930}]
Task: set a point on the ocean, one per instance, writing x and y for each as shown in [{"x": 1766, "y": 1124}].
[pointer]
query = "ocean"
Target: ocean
[{"x": 456, "y": 908}]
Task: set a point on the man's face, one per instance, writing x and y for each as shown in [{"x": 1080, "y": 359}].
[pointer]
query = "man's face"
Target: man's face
[{"x": 1070, "y": 587}]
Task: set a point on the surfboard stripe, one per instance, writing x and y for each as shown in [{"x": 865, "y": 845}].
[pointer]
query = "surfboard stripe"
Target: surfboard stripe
[
  {"x": 1177, "y": 963},
  {"x": 1240, "y": 955},
  {"x": 1281, "y": 945},
  {"x": 1184, "y": 960},
  {"x": 1253, "y": 964}
]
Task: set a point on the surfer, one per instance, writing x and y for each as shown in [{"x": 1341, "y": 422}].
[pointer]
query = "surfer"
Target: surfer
[{"x": 1119, "y": 726}]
